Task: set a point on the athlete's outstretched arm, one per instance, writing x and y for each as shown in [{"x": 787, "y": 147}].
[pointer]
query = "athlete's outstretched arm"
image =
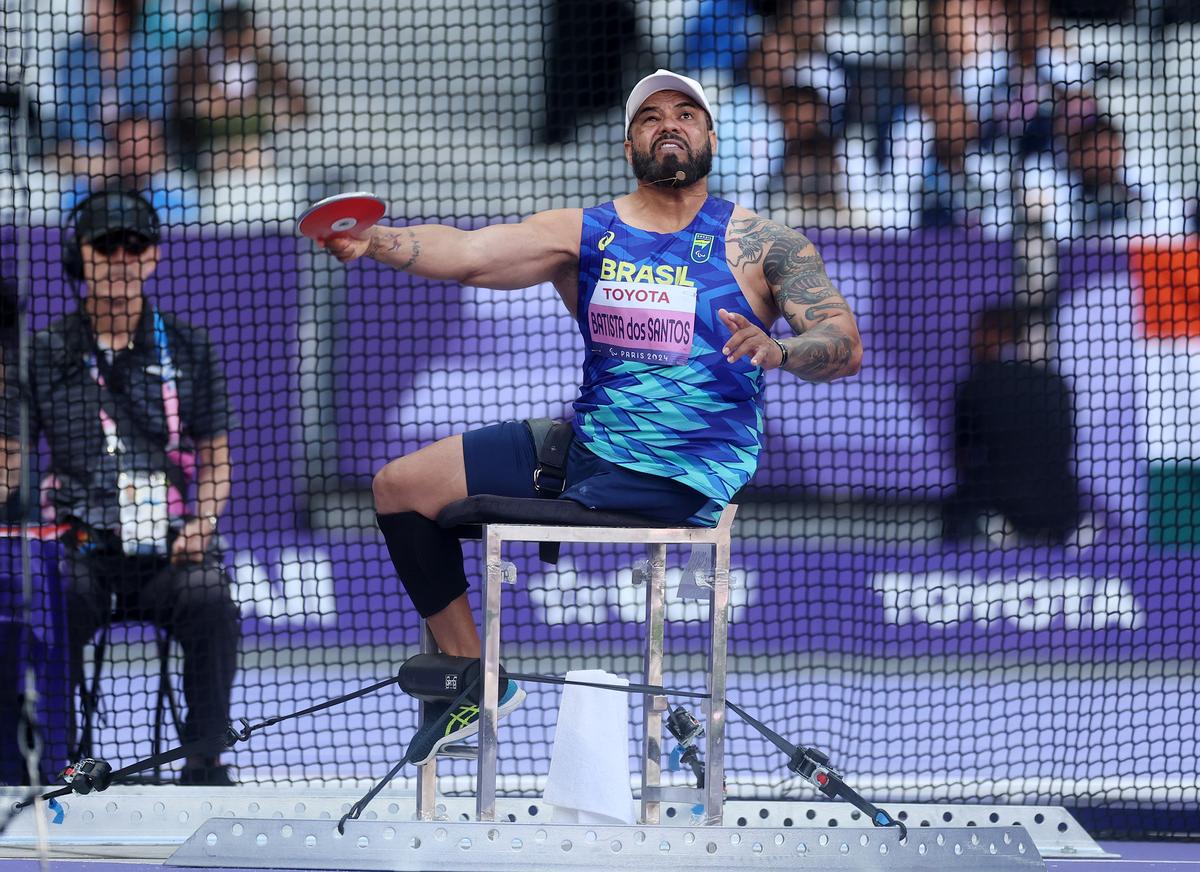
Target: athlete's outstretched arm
[
  {"x": 501, "y": 256},
  {"x": 827, "y": 344}
]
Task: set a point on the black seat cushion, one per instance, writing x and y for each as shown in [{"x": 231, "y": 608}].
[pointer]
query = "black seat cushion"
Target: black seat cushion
[{"x": 466, "y": 516}]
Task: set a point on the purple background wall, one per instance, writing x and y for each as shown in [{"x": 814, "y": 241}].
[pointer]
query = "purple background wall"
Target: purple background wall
[
  {"x": 883, "y": 433},
  {"x": 886, "y": 434},
  {"x": 1113, "y": 601},
  {"x": 416, "y": 360}
]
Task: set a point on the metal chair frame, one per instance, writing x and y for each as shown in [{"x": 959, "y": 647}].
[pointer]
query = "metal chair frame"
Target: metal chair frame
[
  {"x": 165, "y": 701},
  {"x": 656, "y": 539}
]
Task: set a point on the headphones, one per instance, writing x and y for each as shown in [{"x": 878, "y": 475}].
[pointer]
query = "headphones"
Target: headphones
[{"x": 146, "y": 223}]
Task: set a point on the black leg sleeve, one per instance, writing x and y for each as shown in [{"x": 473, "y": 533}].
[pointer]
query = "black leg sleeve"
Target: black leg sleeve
[{"x": 428, "y": 559}]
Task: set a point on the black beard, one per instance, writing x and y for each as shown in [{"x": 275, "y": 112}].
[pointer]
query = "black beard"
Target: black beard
[{"x": 662, "y": 172}]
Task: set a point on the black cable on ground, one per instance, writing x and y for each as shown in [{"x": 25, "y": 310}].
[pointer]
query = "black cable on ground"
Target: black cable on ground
[{"x": 90, "y": 774}]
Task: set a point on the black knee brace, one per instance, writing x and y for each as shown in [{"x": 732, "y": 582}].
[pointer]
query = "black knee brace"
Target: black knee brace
[{"x": 427, "y": 558}]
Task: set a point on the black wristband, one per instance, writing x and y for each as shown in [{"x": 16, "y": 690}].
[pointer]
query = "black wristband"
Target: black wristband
[{"x": 783, "y": 350}]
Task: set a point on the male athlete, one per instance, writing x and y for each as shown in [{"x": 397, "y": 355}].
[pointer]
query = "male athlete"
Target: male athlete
[{"x": 674, "y": 292}]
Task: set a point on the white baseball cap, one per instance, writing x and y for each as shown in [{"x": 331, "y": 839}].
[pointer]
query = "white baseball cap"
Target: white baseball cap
[{"x": 663, "y": 80}]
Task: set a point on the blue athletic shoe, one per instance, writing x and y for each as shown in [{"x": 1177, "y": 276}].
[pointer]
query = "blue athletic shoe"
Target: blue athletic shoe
[{"x": 463, "y": 723}]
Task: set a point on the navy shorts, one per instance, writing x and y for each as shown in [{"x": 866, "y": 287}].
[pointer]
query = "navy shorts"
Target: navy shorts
[{"x": 501, "y": 459}]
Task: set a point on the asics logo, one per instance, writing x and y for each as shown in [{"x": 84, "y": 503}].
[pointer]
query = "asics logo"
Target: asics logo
[{"x": 463, "y": 716}]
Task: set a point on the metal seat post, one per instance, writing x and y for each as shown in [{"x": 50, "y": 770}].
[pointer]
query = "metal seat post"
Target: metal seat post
[
  {"x": 653, "y": 706},
  {"x": 427, "y": 773}
]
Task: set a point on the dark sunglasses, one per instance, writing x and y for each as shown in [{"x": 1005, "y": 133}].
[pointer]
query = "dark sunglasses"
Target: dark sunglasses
[{"x": 134, "y": 243}]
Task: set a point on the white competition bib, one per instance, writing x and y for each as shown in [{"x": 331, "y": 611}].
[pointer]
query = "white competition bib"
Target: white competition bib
[{"x": 647, "y": 323}]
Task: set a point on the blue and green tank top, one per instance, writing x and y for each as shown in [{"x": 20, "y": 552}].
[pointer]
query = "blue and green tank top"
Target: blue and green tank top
[{"x": 657, "y": 394}]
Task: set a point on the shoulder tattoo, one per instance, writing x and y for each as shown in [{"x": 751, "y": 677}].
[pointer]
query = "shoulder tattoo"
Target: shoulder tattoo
[{"x": 791, "y": 265}]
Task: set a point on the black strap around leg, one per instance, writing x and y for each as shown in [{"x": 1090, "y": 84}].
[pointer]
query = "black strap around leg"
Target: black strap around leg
[
  {"x": 553, "y": 445},
  {"x": 553, "y": 442}
]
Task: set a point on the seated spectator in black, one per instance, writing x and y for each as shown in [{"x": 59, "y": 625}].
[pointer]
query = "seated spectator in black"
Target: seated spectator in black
[
  {"x": 132, "y": 403},
  {"x": 1014, "y": 441},
  {"x": 232, "y": 94}
]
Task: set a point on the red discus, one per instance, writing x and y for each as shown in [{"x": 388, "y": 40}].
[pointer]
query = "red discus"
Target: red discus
[{"x": 341, "y": 215}]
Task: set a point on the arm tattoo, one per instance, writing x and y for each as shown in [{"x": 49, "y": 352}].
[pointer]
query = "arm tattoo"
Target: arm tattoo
[
  {"x": 793, "y": 268},
  {"x": 816, "y": 314},
  {"x": 819, "y": 355},
  {"x": 390, "y": 250},
  {"x": 796, "y": 276}
]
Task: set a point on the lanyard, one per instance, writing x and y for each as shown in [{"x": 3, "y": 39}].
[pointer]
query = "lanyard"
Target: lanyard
[
  {"x": 170, "y": 393},
  {"x": 184, "y": 461}
]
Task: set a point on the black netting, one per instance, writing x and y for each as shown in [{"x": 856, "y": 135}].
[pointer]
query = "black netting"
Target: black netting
[{"x": 966, "y": 572}]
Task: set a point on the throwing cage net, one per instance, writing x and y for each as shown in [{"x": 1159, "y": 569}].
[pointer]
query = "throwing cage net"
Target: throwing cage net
[{"x": 967, "y": 573}]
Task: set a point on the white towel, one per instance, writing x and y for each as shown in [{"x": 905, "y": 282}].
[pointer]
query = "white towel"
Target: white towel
[{"x": 589, "y": 765}]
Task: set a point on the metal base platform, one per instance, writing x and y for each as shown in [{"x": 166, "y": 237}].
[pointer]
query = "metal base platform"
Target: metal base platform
[
  {"x": 169, "y": 815},
  {"x": 432, "y": 845}
]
